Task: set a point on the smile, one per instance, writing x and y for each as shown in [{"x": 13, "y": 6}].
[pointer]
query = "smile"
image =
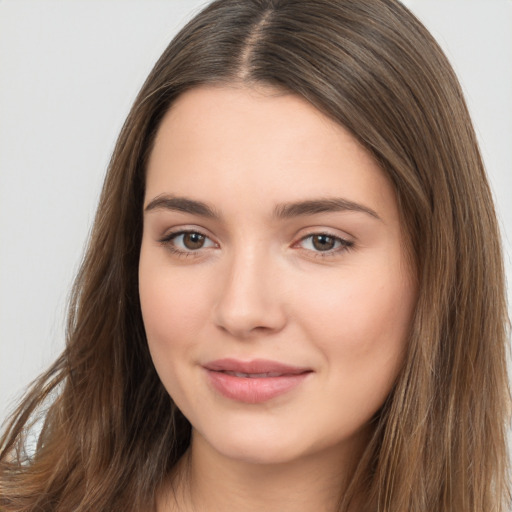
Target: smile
[
  {"x": 254, "y": 375},
  {"x": 255, "y": 381}
]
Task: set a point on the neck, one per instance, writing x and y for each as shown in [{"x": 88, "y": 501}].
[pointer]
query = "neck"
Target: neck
[{"x": 204, "y": 480}]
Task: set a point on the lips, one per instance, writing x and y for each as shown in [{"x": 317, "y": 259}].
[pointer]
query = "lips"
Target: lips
[
  {"x": 253, "y": 375},
  {"x": 254, "y": 381}
]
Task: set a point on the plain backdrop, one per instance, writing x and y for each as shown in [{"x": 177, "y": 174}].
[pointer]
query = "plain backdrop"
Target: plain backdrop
[{"x": 69, "y": 71}]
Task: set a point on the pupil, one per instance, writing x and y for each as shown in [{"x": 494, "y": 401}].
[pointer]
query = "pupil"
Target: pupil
[
  {"x": 193, "y": 240},
  {"x": 323, "y": 242}
]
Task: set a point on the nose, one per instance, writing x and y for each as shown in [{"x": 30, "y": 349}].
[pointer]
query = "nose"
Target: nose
[{"x": 249, "y": 301}]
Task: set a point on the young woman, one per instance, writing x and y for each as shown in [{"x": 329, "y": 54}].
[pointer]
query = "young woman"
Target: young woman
[{"x": 293, "y": 295}]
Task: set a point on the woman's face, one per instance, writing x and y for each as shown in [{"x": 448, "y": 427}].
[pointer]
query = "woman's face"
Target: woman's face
[{"x": 274, "y": 285}]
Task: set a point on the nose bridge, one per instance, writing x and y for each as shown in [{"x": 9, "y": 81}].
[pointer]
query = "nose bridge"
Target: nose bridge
[{"x": 249, "y": 297}]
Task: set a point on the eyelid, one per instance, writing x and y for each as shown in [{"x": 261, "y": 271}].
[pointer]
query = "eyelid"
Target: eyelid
[
  {"x": 184, "y": 229},
  {"x": 168, "y": 238},
  {"x": 345, "y": 244}
]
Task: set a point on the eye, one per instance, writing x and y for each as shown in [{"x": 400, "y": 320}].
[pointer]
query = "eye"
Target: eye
[
  {"x": 187, "y": 241},
  {"x": 324, "y": 243}
]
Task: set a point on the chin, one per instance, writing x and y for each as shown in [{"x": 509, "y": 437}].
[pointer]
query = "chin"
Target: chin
[
  {"x": 269, "y": 444},
  {"x": 256, "y": 447},
  {"x": 260, "y": 454}
]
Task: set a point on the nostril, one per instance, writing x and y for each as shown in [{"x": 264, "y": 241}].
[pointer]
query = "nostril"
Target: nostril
[{"x": 248, "y": 301}]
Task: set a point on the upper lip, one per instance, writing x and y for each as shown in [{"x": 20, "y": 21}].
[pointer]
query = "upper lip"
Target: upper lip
[{"x": 256, "y": 366}]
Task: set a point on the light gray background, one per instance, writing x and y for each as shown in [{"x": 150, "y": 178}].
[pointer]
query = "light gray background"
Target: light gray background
[{"x": 69, "y": 71}]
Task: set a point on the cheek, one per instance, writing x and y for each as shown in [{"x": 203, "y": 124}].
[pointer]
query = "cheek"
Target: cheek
[
  {"x": 362, "y": 324},
  {"x": 168, "y": 309},
  {"x": 173, "y": 317},
  {"x": 361, "y": 329}
]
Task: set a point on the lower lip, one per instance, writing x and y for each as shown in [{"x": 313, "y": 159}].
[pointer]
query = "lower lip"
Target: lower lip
[{"x": 254, "y": 390}]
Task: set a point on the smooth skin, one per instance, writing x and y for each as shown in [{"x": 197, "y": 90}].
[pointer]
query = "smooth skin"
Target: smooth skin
[{"x": 297, "y": 256}]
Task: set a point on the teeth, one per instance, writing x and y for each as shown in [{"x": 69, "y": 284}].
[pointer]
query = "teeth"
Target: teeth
[{"x": 253, "y": 375}]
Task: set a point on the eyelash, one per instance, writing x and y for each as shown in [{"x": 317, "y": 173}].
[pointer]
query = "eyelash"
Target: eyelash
[
  {"x": 344, "y": 245},
  {"x": 168, "y": 239}
]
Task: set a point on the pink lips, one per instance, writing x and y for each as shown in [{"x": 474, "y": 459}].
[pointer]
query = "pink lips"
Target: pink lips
[{"x": 253, "y": 381}]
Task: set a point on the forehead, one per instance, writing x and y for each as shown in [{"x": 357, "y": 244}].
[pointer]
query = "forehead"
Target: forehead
[{"x": 264, "y": 145}]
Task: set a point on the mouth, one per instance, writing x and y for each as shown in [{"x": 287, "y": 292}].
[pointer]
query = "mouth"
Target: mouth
[
  {"x": 254, "y": 381},
  {"x": 253, "y": 375},
  {"x": 254, "y": 368}
]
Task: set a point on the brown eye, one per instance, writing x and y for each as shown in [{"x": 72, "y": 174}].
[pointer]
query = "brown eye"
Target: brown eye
[
  {"x": 193, "y": 241},
  {"x": 187, "y": 243},
  {"x": 323, "y": 242}
]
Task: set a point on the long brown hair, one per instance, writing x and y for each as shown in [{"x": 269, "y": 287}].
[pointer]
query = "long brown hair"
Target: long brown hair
[{"x": 110, "y": 432}]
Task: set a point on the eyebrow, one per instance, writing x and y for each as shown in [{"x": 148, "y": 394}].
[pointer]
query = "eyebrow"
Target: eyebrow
[
  {"x": 281, "y": 211},
  {"x": 182, "y": 204},
  {"x": 315, "y": 206}
]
